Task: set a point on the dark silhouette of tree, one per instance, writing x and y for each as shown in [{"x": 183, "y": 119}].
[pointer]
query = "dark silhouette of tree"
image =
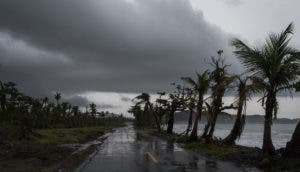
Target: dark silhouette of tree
[
  {"x": 244, "y": 91},
  {"x": 93, "y": 109},
  {"x": 190, "y": 105},
  {"x": 26, "y": 114},
  {"x": 200, "y": 87},
  {"x": 176, "y": 102},
  {"x": 220, "y": 82},
  {"x": 57, "y": 97},
  {"x": 275, "y": 67},
  {"x": 144, "y": 98}
]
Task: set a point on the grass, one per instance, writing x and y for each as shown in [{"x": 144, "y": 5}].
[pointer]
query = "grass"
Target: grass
[
  {"x": 69, "y": 135},
  {"x": 42, "y": 152},
  {"x": 215, "y": 149}
]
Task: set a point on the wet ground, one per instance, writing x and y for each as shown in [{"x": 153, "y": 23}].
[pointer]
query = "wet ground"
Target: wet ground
[{"x": 130, "y": 150}]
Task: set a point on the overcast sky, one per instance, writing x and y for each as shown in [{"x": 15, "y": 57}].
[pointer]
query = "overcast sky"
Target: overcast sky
[{"x": 109, "y": 46}]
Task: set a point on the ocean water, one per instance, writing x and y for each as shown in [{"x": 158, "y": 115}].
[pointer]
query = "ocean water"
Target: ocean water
[{"x": 252, "y": 134}]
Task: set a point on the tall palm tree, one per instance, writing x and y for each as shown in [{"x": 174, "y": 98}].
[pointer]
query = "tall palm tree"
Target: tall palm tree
[
  {"x": 220, "y": 83},
  {"x": 244, "y": 91},
  {"x": 190, "y": 104},
  {"x": 200, "y": 86},
  {"x": 275, "y": 67}
]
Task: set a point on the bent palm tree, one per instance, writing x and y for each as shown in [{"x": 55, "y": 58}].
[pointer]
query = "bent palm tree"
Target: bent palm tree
[
  {"x": 200, "y": 86},
  {"x": 145, "y": 98},
  {"x": 244, "y": 91},
  {"x": 275, "y": 67}
]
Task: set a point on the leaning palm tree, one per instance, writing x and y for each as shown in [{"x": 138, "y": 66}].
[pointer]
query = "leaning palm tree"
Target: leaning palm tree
[
  {"x": 275, "y": 67},
  {"x": 292, "y": 149},
  {"x": 145, "y": 98},
  {"x": 244, "y": 90},
  {"x": 200, "y": 86}
]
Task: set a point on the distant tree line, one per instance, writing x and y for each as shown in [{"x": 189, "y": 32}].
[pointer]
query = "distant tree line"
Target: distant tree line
[
  {"x": 270, "y": 69},
  {"x": 26, "y": 114}
]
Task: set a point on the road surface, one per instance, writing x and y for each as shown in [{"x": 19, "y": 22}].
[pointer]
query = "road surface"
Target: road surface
[{"x": 130, "y": 150}]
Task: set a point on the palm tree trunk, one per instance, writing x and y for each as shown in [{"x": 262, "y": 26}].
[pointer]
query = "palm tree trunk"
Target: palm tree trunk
[
  {"x": 206, "y": 128},
  {"x": 217, "y": 104},
  {"x": 171, "y": 118},
  {"x": 155, "y": 117},
  {"x": 237, "y": 127},
  {"x": 293, "y": 147},
  {"x": 188, "y": 129},
  {"x": 212, "y": 126},
  {"x": 268, "y": 147},
  {"x": 194, "y": 133}
]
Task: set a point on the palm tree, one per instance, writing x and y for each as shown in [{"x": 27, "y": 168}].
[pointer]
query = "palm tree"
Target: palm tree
[
  {"x": 145, "y": 98},
  {"x": 292, "y": 149},
  {"x": 200, "y": 86},
  {"x": 176, "y": 102},
  {"x": 93, "y": 109},
  {"x": 190, "y": 104},
  {"x": 275, "y": 67},
  {"x": 220, "y": 83},
  {"x": 244, "y": 91},
  {"x": 57, "y": 97}
]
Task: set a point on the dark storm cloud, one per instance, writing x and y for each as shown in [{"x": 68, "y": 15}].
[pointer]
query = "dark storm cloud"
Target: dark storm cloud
[{"x": 107, "y": 45}]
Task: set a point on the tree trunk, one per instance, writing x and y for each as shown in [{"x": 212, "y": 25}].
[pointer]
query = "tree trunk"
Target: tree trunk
[
  {"x": 217, "y": 104},
  {"x": 188, "y": 129},
  {"x": 171, "y": 118},
  {"x": 155, "y": 117},
  {"x": 194, "y": 134},
  {"x": 293, "y": 147},
  {"x": 212, "y": 126},
  {"x": 205, "y": 132},
  {"x": 268, "y": 148},
  {"x": 237, "y": 127}
]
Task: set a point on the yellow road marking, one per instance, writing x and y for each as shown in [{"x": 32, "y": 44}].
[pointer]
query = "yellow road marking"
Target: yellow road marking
[{"x": 152, "y": 157}]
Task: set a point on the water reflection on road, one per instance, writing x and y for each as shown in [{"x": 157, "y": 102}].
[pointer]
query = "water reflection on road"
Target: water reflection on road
[{"x": 129, "y": 150}]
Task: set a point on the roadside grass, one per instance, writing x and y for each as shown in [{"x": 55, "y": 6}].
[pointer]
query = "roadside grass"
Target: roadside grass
[
  {"x": 215, "y": 148},
  {"x": 42, "y": 152},
  {"x": 69, "y": 135}
]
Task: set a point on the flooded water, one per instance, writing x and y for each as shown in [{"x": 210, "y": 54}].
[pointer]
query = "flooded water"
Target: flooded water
[
  {"x": 130, "y": 150},
  {"x": 252, "y": 134}
]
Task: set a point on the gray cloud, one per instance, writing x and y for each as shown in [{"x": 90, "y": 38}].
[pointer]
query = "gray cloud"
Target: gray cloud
[
  {"x": 232, "y": 2},
  {"x": 126, "y": 99},
  {"x": 77, "y": 101},
  {"x": 106, "y": 106},
  {"x": 75, "y": 46}
]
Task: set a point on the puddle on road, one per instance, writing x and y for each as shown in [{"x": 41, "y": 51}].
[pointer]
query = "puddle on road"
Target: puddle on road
[{"x": 129, "y": 150}]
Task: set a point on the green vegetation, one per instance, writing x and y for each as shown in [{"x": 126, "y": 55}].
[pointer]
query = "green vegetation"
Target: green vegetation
[
  {"x": 43, "y": 151},
  {"x": 21, "y": 115},
  {"x": 215, "y": 149},
  {"x": 33, "y": 129},
  {"x": 70, "y": 135},
  {"x": 274, "y": 67}
]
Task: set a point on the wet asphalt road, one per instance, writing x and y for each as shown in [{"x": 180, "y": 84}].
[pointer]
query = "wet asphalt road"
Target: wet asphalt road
[{"x": 129, "y": 150}]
